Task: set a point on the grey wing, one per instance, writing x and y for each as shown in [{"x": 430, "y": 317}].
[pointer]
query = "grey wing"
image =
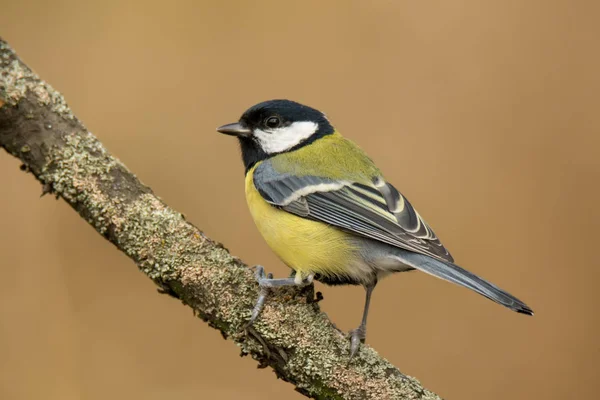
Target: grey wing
[{"x": 376, "y": 211}]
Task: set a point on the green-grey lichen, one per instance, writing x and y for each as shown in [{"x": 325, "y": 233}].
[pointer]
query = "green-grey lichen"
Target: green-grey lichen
[
  {"x": 16, "y": 79},
  {"x": 291, "y": 334}
]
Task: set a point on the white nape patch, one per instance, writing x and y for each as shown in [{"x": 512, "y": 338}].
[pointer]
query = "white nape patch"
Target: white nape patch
[
  {"x": 306, "y": 190},
  {"x": 284, "y": 138}
]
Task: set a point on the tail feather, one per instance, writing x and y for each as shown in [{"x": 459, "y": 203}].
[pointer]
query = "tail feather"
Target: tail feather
[{"x": 455, "y": 274}]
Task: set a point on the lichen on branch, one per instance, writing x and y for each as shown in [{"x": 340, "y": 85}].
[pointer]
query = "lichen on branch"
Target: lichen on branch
[{"x": 293, "y": 336}]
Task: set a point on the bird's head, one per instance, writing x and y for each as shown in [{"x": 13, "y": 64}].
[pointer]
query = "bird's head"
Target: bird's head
[{"x": 276, "y": 126}]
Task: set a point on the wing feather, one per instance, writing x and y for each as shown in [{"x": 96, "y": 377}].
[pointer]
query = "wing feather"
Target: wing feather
[{"x": 376, "y": 211}]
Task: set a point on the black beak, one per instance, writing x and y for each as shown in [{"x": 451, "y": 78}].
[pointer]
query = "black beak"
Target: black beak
[{"x": 234, "y": 129}]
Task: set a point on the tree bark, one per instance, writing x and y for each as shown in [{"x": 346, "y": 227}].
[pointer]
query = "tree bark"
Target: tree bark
[{"x": 292, "y": 335}]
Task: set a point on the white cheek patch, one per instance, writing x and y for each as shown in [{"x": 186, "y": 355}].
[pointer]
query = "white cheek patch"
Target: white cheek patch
[{"x": 284, "y": 138}]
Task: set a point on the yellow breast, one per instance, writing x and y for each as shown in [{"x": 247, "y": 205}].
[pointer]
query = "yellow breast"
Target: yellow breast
[{"x": 304, "y": 245}]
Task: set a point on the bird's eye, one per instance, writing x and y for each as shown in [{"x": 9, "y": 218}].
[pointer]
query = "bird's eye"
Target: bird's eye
[{"x": 272, "y": 122}]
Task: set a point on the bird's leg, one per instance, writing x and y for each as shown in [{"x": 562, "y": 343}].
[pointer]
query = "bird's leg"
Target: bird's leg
[
  {"x": 266, "y": 282},
  {"x": 359, "y": 334}
]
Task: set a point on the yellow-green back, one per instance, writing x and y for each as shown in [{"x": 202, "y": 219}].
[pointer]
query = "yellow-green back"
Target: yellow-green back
[{"x": 331, "y": 156}]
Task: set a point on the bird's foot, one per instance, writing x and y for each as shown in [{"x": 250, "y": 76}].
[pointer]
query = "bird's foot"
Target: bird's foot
[
  {"x": 262, "y": 294},
  {"x": 266, "y": 282},
  {"x": 356, "y": 336}
]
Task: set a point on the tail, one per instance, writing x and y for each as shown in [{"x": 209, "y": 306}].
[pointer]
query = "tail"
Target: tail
[{"x": 455, "y": 274}]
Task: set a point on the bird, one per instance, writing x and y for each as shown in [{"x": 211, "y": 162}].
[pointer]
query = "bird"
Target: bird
[{"x": 328, "y": 213}]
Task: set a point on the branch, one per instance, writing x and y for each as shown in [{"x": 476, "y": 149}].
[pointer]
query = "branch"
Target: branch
[{"x": 292, "y": 335}]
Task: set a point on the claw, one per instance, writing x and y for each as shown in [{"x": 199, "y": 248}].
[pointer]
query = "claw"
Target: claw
[
  {"x": 259, "y": 272},
  {"x": 357, "y": 336},
  {"x": 354, "y": 345}
]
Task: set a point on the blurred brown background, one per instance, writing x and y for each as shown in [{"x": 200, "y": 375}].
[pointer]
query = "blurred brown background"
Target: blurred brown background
[{"x": 485, "y": 116}]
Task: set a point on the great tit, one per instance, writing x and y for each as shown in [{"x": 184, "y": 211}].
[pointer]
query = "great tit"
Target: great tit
[{"x": 327, "y": 211}]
